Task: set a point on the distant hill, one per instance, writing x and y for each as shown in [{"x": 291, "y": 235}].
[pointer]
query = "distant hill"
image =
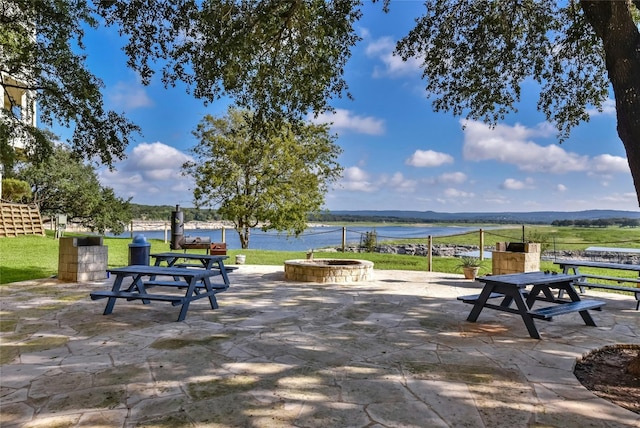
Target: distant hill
[
  {"x": 163, "y": 212},
  {"x": 543, "y": 217}
]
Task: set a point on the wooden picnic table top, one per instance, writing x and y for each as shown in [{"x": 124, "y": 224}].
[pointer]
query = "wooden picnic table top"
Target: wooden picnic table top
[
  {"x": 146, "y": 270},
  {"x": 601, "y": 265},
  {"x": 528, "y": 278}
]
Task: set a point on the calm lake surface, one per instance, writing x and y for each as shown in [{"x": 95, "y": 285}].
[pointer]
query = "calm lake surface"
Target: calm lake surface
[{"x": 315, "y": 237}]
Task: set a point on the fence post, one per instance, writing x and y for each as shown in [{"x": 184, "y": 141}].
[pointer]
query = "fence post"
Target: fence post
[
  {"x": 131, "y": 229},
  {"x": 481, "y": 244},
  {"x": 165, "y": 232},
  {"x": 223, "y": 235},
  {"x": 429, "y": 254},
  {"x": 344, "y": 238}
]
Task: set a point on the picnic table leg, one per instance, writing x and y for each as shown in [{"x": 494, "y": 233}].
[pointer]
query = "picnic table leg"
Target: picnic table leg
[
  {"x": 188, "y": 297},
  {"x": 544, "y": 289},
  {"x": 212, "y": 297},
  {"x": 138, "y": 284},
  {"x": 223, "y": 272},
  {"x": 479, "y": 305},
  {"x": 586, "y": 316},
  {"x": 523, "y": 308},
  {"x": 576, "y": 271},
  {"x": 112, "y": 300}
]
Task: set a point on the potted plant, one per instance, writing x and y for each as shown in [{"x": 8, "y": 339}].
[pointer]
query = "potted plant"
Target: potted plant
[{"x": 470, "y": 266}]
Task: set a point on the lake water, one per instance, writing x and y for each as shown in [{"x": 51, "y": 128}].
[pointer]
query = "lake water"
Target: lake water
[{"x": 315, "y": 237}]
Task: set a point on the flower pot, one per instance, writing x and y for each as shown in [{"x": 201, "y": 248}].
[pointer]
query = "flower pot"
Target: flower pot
[{"x": 470, "y": 272}]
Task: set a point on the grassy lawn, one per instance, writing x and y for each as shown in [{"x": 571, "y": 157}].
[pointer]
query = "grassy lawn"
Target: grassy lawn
[{"x": 31, "y": 257}]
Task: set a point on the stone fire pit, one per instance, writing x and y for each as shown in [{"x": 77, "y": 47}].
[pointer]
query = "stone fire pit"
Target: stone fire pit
[{"x": 328, "y": 270}]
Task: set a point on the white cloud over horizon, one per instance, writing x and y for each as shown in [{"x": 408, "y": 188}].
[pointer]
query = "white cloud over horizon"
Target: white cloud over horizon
[
  {"x": 514, "y": 184},
  {"x": 514, "y": 145},
  {"x": 356, "y": 179},
  {"x": 345, "y": 120},
  {"x": 428, "y": 158},
  {"x": 151, "y": 170}
]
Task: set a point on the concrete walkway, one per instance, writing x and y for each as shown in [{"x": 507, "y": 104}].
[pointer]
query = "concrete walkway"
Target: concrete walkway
[{"x": 396, "y": 351}]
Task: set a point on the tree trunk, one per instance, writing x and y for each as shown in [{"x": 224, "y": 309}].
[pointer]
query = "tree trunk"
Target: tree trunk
[
  {"x": 613, "y": 24},
  {"x": 244, "y": 232}
]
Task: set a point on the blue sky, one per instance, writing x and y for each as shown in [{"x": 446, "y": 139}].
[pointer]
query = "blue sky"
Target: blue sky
[{"x": 397, "y": 153}]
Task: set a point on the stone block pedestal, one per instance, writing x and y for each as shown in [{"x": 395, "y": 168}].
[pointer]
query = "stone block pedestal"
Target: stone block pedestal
[
  {"x": 82, "y": 259},
  {"x": 515, "y": 257}
]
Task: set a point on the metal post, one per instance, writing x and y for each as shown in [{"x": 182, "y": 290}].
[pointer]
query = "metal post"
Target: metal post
[
  {"x": 344, "y": 238},
  {"x": 481, "y": 244},
  {"x": 223, "y": 236},
  {"x": 429, "y": 254}
]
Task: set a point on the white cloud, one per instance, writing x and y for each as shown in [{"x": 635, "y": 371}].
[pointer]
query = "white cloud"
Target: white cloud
[
  {"x": 151, "y": 169},
  {"x": 452, "y": 178},
  {"x": 561, "y": 188},
  {"x": 129, "y": 96},
  {"x": 513, "y": 184},
  {"x": 455, "y": 193},
  {"x": 344, "y": 120},
  {"x": 428, "y": 158},
  {"x": 513, "y": 145},
  {"x": 399, "y": 183},
  {"x": 356, "y": 179},
  {"x": 392, "y": 65},
  {"x": 608, "y": 109},
  {"x": 608, "y": 164},
  {"x": 622, "y": 198}
]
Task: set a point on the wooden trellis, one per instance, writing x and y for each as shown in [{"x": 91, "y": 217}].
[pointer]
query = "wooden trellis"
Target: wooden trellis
[{"x": 20, "y": 219}]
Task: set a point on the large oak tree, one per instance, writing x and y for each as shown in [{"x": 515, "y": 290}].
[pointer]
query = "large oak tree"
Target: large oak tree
[{"x": 273, "y": 179}]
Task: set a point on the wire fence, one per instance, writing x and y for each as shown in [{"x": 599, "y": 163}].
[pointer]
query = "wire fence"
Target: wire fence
[{"x": 481, "y": 238}]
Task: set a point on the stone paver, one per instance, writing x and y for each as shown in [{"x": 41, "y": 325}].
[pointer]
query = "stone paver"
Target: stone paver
[{"x": 395, "y": 351}]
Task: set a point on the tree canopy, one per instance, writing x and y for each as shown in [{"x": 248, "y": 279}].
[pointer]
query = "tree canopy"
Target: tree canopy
[
  {"x": 477, "y": 54},
  {"x": 282, "y": 59},
  {"x": 273, "y": 179},
  {"x": 37, "y": 40}
]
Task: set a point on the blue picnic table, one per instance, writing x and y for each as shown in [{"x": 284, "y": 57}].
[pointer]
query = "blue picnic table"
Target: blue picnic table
[
  {"x": 512, "y": 289},
  {"x": 196, "y": 284}
]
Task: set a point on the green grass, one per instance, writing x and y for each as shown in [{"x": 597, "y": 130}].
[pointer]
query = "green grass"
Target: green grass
[{"x": 31, "y": 257}]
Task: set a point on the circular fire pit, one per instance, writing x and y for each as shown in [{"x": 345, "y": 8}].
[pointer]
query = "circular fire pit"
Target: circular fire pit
[{"x": 328, "y": 270}]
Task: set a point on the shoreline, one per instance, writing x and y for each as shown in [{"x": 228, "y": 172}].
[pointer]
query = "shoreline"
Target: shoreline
[{"x": 193, "y": 225}]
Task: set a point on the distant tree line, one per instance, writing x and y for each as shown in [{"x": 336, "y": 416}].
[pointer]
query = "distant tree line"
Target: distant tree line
[
  {"x": 601, "y": 222},
  {"x": 163, "y": 213},
  {"x": 352, "y": 218}
]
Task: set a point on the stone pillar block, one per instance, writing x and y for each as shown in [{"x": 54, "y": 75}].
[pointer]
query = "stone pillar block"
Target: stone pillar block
[
  {"x": 515, "y": 258},
  {"x": 82, "y": 259}
]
